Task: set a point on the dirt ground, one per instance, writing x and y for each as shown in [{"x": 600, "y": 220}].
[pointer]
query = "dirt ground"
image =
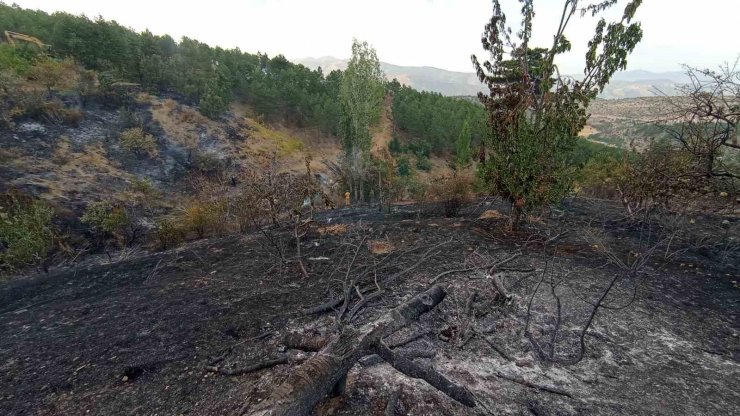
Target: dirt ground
[{"x": 135, "y": 337}]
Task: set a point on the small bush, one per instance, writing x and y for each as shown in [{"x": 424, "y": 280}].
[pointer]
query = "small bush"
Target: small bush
[
  {"x": 55, "y": 75},
  {"x": 127, "y": 118},
  {"x": 207, "y": 163},
  {"x": 452, "y": 191},
  {"x": 10, "y": 93},
  {"x": 199, "y": 217},
  {"x": 72, "y": 117},
  {"x": 136, "y": 140},
  {"x": 143, "y": 186},
  {"x": 423, "y": 163},
  {"x": 26, "y": 231},
  {"x": 395, "y": 145},
  {"x": 404, "y": 167},
  {"x": 108, "y": 220},
  {"x": 169, "y": 234}
]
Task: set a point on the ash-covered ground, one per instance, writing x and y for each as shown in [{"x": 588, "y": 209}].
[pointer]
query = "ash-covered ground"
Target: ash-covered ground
[{"x": 138, "y": 336}]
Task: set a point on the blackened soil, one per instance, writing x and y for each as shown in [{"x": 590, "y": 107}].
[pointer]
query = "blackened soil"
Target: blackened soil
[{"x": 135, "y": 336}]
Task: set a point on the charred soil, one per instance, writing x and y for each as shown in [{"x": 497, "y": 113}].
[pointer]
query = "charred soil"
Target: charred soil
[{"x": 143, "y": 335}]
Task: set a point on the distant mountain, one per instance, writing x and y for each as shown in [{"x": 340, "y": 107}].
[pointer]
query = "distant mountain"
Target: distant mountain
[
  {"x": 626, "y": 84},
  {"x": 423, "y": 78}
]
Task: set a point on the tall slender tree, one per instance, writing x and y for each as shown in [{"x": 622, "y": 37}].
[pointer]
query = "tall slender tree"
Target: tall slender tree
[
  {"x": 462, "y": 147},
  {"x": 361, "y": 98}
]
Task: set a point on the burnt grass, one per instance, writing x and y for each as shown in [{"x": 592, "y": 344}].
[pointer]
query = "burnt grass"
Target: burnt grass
[{"x": 135, "y": 336}]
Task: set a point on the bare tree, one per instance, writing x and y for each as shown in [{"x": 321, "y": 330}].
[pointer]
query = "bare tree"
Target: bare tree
[{"x": 705, "y": 119}]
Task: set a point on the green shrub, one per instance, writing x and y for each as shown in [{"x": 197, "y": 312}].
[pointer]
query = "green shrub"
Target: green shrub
[
  {"x": 107, "y": 220},
  {"x": 207, "y": 162},
  {"x": 423, "y": 163},
  {"x": 26, "y": 231},
  {"x": 404, "y": 167},
  {"x": 213, "y": 105},
  {"x": 136, "y": 140},
  {"x": 143, "y": 186},
  {"x": 127, "y": 118},
  {"x": 15, "y": 59},
  {"x": 10, "y": 93},
  {"x": 55, "y": 75},
  {"x": 169, "y": 233},
  {"x": 395, "y": 145}
]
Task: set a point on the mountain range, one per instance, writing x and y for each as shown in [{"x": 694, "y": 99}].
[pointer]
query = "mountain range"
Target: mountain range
[{"x": 625, "y": 84}]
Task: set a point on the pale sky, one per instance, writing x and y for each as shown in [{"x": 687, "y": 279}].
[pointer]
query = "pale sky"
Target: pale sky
[{"x": 438, "y": 33}]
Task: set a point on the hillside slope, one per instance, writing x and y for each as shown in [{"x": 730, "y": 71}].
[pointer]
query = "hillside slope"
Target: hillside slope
[
  {"x": 71, "y": 166},
  {"x": 143, "y": 335}
]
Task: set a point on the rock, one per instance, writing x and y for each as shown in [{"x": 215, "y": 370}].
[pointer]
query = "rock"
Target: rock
[
  {"x": 124, "y": 379},
  {"x": 525, "y": 362},
  {"x": 32, "y": 128}
]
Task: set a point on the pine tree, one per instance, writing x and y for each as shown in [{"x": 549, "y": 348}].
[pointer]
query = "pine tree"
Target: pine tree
[{"x": 463, "y": 153}]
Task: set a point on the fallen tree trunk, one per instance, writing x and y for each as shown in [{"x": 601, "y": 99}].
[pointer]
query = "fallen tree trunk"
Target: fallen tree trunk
[
  {"x": 426, "y": 373},
  {"x": 250, "y": 368},
  {"x": 302, "y": 342},
  {"x": 318, "y": 376}
]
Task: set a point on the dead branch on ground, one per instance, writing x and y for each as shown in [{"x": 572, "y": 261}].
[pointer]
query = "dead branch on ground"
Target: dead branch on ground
[{"x": 327, "y": 370}]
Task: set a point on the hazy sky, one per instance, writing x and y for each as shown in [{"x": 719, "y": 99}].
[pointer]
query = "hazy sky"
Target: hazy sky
[{"x": 439, "y": 33}]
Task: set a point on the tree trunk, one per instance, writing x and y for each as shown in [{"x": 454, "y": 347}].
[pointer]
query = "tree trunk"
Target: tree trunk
[
  {"x": 516, "y": 217},
  {"x": 318, "y": 376}
]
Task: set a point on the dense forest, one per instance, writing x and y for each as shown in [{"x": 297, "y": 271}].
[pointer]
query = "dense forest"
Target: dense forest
[
  {"x": 198, "y": 73},
  {"x": 213, "y": 77},
  {"x": 435, "y": 118}
]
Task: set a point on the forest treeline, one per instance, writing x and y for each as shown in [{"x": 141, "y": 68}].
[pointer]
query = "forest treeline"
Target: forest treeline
[
  {"x": 213, "y": 77},
  {"x": 436, "y": 118}
]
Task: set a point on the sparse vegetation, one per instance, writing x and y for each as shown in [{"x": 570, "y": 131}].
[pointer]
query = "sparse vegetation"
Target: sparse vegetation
[
  {"x": 110, "y": 222},
  {"x": 169, "y": 233},
  {"x": 453, "y": 191},
  {"x": 137, "y": 141},
  {"x": 26, "y": 231}
]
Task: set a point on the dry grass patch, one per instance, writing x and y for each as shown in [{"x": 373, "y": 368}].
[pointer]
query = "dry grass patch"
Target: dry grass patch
[
  {"x": 285, "y": 143},
  {"x": 334, "y": 229},
  {"x": 380, "y": 246},
  {"x": 491, "y": 214},
  {"x": 179, "y": 122}
]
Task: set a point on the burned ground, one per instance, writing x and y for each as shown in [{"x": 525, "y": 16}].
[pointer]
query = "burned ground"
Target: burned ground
[{"x": 136, "y": 336}]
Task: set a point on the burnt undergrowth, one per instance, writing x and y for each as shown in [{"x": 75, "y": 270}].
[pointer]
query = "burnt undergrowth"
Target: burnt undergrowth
[{"x": 143, "y": 335}]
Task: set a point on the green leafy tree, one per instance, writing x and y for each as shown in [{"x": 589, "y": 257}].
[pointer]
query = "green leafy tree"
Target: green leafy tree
[
  {"x": 463, "y": 153},
  {"x": 55, "y": 75},
  {"x": 534, "y": 114},
  {"x": 404, "y": 167},
  {"x": 361, "y": 98}
]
